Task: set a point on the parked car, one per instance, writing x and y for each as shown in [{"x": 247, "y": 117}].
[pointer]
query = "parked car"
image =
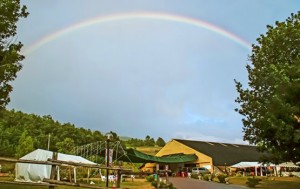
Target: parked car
[{"x": 200, "y": 170}]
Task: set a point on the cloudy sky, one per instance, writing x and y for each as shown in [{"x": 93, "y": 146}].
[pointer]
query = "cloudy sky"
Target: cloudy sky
[{"x": 163, "y": 68}]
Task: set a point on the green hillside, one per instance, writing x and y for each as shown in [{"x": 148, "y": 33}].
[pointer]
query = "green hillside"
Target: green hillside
[{"x": 22, "y": 133}]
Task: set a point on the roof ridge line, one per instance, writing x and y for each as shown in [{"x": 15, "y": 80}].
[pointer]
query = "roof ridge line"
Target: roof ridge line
[{"x": 213, "y": 142}]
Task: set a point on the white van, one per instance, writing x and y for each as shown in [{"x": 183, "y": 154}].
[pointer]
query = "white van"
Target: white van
[{"x": 200, "y": 170}]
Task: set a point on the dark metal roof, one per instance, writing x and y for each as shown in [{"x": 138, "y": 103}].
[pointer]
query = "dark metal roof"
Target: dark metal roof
[{"x": 222, "y": 153}]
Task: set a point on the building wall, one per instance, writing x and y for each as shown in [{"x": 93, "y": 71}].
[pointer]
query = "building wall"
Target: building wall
[
  {"x": 174, "y": 147},
  {"x": 149, "y": 168}
]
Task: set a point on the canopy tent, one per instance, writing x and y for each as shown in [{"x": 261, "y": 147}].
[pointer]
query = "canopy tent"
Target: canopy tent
[
  {"x": 257, "y": 164},
  {"x": 288, "y": 164},
  {"x": 247, "y": 164},
  {"x": 254, "y": 165},
  {"x": 139, "y": 157},
  {"x": 276, "y": 168},
  {"x": 288, "y": 169},
  {"x": 37, "y": 172},
  {"x": 118, "y": 153}
]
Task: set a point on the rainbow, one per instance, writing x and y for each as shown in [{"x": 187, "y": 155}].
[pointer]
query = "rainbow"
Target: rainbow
[{"x": 138, "y": 15}]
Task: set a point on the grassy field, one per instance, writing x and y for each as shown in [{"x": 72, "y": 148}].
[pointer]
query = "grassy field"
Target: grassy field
[
  {"x": 149, "y": 150},
  {"x": 270, "y": 182},
  {"x": 266, "y": 183},
  {"x": 136, "y": 184}
]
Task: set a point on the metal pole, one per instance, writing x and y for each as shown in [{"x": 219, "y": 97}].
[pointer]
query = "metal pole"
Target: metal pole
[{"x": 107, "y": 161}]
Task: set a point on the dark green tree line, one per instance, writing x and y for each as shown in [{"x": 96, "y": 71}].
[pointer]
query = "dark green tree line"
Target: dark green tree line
[
  {"x": 148, "y": 141},
  {"x": 19, "y": 129}
]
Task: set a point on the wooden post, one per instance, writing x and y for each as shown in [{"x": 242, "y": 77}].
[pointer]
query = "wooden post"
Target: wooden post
[
  {"x": 167, "y": 173},
  {"x": 53, "y": 169},
  {"x": 119, "y": 178},
  {"x": 88, "y": 176},
  {"x": 70, "y": 174},
  {"x": 157, "y": 172}
]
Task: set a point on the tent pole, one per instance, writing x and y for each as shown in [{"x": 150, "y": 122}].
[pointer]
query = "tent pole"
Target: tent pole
[
  {"x": 88, "y": 176},
  {"x": 255, "y": 169},
  {"x": 58, "y": 173},
  {"x": 74, "y": 169}
]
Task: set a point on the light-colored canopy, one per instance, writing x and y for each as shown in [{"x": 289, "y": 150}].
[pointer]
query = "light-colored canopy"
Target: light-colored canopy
[
  {"x": 36, "y": 172},
  {"x": 257, "y": 164},
  {"x": 246, "y": 164},
  {"x": 288, "y": 164},
  {"x": 250, "y": 164}
]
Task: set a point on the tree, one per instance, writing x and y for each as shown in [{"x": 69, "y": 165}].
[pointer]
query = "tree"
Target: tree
[
  {"x": 25, "y": 145},
  {"x": 149, "y": 141},
  {"x": 65, "y": 146},
  {"x": 271, "y": 103},
  {"x": 10, "y": 12},
  {"x": 160, "y": 142}
]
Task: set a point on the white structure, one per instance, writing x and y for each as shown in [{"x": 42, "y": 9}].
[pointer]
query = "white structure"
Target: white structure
[
  {"x": 37, "y": 172},
  {"x": 277, "y": 168}
]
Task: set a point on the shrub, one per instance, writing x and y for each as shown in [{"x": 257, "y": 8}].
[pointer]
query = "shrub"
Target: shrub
[
  {"x": 206, "y": 177},
  {"x": 222, "y": 178},
  {"x": 153, "y": 183},
  {"x": 8, "y": 168},
  {"x": 163, "y": 185},
  {"x": 195, "y": 176},
  {"x": 150, "y": 178},
  {"x": 239, "y": 174},
  {"x": 252, "y": 182}
]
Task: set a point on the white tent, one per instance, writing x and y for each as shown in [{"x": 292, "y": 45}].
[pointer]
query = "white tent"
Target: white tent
[
  {"x": 276, "y": 167},
  {"x": 255, "y": 165},
  {"x": 36, "y": 172},
  {"x": 288, "y": 164},
  {"x": 246, "y": 164},
  {"x": 288, "y": 168}
]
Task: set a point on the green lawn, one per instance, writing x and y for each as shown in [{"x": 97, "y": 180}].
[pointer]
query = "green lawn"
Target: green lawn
[
  {"x": 136, "y": 184},
  {"x": 270, "y": 182},
  {"x": 151, "y": 150}
]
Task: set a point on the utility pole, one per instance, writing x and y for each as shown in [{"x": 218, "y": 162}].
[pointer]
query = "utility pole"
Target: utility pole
[
  {"x": 49, "y": 141},
  {"x": 109, "y": 136}
]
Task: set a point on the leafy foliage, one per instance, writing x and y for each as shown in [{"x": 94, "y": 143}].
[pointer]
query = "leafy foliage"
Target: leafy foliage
[
  {"x": 135, "y": 142},
  {"x": 13, "y": 125},
  {"x": 252, "y": 182},
  {"x": 222, "y": 177},
  {"x": 163, "y": 185},
  {"x": 149, "y": 141},
  {"x": 160, "y": 142},
  {"x": 10, "y": 12},
  {"x": 271, "y": 103},
  {"x": 21, "y": 131},
  {"x": 66, "y": 146},
  {"x": 208, "y": 177},
  {"x": 25, "y": 145},
  {"x": 150, "y": 178}
]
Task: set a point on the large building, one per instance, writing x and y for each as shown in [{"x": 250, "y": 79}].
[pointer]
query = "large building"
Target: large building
[{"x": 212, "y": 155}]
